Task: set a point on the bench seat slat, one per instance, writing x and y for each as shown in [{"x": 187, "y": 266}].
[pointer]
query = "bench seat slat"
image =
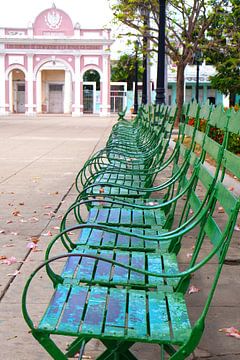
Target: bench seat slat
[
  {"x": 155, "y": 266},
  {"x": 94, "y": 317},
  {"x": 120, "y": 274},
  {"x": 73, "y": 311},
  {"x": 137, "y": 314},
  {"x": 158, "y": 316},
  {"x": 181, "y": 327},
  {"x": 137, "y": 262},
  {"x": 103, "y": 270},
  {"x": 116, "y": 313},
  {"x": 86, "y": 267},
  {"x": 54, "y": 310}
]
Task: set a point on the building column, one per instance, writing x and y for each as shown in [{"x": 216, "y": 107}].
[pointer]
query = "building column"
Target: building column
[
  {"x": 76, "y": 105},
  {"x": 29, "y": 86},
  {"x": 39, "y": 91},
  {"x": 105, "y": 87},
  {"x": 2, "y": 86},
  {"x": 10, "y": 92},
  {"x": 67, "y": 106}
]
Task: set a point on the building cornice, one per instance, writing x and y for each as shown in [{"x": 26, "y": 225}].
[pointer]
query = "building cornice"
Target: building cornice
[{"x": 55, "y": 41}]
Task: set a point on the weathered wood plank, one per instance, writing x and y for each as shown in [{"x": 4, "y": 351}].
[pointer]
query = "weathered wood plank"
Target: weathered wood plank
[{"x": 116, "y": 313}]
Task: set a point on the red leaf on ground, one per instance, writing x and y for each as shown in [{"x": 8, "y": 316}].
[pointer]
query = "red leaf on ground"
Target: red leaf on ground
[
  {"x": 231, "y": 331},
  {"x": 2, "y": 257},
  {"x": 21, "y": 203},
  {"x": 221, "y": 209},
  {"x": 56, "y": 227},
  {"x": 16, "y": 213},
  {"x": 9, "y": 222},
  {"x": 31, "y": 245},
  {"x": 237, "y": 228},
  {"x": 2, "y": 231},
  {"x": 193, "y": 289},
  {"x": 47, "y": 234},
  {"x": 33, "y": 219},
  {"x": 10, "y": 261}
]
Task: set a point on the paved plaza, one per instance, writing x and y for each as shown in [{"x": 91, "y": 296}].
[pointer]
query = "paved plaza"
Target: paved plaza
[{"x": 39, "y": 159}]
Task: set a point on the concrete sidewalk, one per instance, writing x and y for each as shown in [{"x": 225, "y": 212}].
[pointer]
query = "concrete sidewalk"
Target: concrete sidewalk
[{"x": 39, "y": 159}]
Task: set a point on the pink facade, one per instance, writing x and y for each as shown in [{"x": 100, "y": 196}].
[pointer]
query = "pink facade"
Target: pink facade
[{"x": 55, "y": 67}]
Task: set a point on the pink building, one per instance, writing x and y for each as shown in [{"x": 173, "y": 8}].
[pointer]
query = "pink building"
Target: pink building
[{"x": 52, "y": 66}]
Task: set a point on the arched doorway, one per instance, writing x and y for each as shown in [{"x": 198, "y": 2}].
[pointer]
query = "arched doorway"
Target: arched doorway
[
  {"x": 17, "y": 91},
  {"x": 91, "y": 92},
  {"x": 54, "y": 88}
]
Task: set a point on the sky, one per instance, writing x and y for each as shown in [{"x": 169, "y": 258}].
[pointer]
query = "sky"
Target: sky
[{"x": 89, "y": 14}]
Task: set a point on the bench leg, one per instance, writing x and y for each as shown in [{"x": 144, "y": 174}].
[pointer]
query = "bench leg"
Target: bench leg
[
  {"x": 74, "y": 347},
  {"x": 117, "y": 351},
  {"x": 49, "y": 346}
]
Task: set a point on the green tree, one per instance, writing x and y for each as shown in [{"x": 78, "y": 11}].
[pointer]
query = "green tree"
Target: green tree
[
  {"x": 223, "y": 49},
  {"x": 124, "y": 69},
  {"x": 187, "y": 24}
]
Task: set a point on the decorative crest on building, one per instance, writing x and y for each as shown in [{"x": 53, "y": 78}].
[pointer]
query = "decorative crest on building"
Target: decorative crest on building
[{"x": 53, "y": 18}]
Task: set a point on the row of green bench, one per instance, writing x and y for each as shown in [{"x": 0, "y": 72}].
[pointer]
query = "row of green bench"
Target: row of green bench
[{"x": 120, "y": 280}]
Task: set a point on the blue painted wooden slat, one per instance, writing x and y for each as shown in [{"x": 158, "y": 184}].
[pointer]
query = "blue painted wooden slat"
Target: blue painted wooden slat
[
  {"x": 114, "y": 216},
  {"x": 121, "y": 275},
  {"x": 125, "y": 218},
  {"x": 73, "y": 311},
  {"x": 54, "y": 310},
  {"x": 138, "y": 262},
  {"x": 155, "y": 265},
  {"x": 137, "y": 314},
  {"x": 103, "y": 270},
  {"x": 94, "y": 317},
  {"x": 86, "y": 267},
  {"x": 158, "y": 316},
  {"x": 102, "y": 216},
  {"x": 180, "y": 323},
  {"x": 109, "y": 239},
  {"x": 116, "y": 313}
]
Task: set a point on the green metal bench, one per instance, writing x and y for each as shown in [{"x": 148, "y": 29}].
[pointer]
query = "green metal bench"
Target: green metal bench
[{"x": 120, "y": 315}]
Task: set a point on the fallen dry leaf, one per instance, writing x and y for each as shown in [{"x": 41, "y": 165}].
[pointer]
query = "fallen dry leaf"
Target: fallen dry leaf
[
  {"x": 231, "y": 188},
  {"x": 236, "y": 228},
  {"x": 220, "y": 209},
  {"x": 193, "y": 289},
  {"x": 14, "y": 233},
  {"x": 50, "y": 214},
  {"x": 47, "y": 206},
  {"x": 33, "y": 219},
  {"x": 21, "y": 203},
  {"x": 189, "y": 255},
  {"x": 16, "y": 213},
  {"x": 31, "y": 245},
  {"x": 56, "y": 227},
  {"x": 8, "y": 245},
  {"x": 101, "y": 190},
  {"x": 35, "y": 239},
  {"x": 2, "y": 231},
  {"x": 47, "y": 234},
  {"x": 2, "y": 257},
  {"x": 10, "y": 261},
  {"x": 15, "y": 273},
  {"x": 9, "y": 222},
  {"x": 23, "y": 221},
  {"x": 231, "y": 331}
]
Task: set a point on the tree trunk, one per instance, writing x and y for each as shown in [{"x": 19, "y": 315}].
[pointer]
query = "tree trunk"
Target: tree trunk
[
  {"x": 232, "y": 99},
  {"x": 180, "y": 89}
]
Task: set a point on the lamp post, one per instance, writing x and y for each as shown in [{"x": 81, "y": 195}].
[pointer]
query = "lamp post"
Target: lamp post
[
  {"x": 145, "y": 59},
  {"x": 198, "y": 62},
  {"x": 160, "y": 90},
  {"x": 136, "y": 79}
]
